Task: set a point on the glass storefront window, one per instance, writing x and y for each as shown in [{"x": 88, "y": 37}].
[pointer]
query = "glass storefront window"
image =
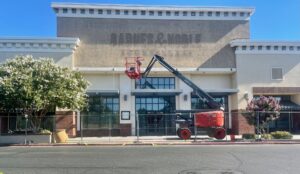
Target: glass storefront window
[
  {"x": 155, "y": 83},
  {"x": 154, "y": 115},
  {"x": 102, "y": 112},
  {"x": 160, "y": 104},
  {"x": 16, "y": 122},
  {"x": 197, "y": 103}
]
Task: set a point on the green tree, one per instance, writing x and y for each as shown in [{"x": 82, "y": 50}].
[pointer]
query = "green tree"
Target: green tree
[
  {"x": 261, "y": 110},
  {"x": 36, "y": 86}
]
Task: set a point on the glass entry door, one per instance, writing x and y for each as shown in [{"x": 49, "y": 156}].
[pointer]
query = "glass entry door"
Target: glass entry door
[
  {"x": 153, "y": 123},
  {"x": 155, "y": 116}
]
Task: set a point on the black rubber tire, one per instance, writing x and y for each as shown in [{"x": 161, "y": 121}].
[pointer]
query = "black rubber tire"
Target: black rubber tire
[
  {"x": 185, "y": 133},
  {"x": 219, "y": 133}
]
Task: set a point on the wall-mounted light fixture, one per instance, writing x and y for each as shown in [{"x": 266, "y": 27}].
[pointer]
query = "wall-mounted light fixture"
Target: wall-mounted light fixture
[
  {"x": 185, "y": 97},
  {"x": 125, "y": 97}
]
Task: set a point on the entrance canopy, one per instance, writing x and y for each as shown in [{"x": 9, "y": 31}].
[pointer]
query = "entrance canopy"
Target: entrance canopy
[
  {"x": 289, "y": 106},
  {"x": 103, "y": 92},
  {"x": 155, "y": 92}
]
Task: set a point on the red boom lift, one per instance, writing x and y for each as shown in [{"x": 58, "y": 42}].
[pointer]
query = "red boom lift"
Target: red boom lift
[{"x": 209, "y": 120}]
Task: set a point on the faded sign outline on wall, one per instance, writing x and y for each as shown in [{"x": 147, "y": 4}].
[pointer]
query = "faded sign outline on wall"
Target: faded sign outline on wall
[{"x": 150, "y": 38}]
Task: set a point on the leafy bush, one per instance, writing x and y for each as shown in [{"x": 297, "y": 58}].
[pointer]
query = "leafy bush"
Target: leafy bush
[
  {"x": 266, "y": 136},
  {"x": 45, "y": 132},
  {"x": 248, "y": 136},
  {"x": 263, "y": 136},
  {"x": 281, "y": 135},
  {"x": 35, "y": 87}
]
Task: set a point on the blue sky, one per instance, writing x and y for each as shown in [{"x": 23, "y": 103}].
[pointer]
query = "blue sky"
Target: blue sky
[{"x": 272, "y": 20}]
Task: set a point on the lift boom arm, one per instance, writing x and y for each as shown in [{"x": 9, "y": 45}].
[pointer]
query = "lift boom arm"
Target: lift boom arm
[{"x": 198, "y": 91}]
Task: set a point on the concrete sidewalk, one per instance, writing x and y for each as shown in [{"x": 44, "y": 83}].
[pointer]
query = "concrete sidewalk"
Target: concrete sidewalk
[
  {"x": 169, "y": 140},
  {"x": 159, "y": 140}
]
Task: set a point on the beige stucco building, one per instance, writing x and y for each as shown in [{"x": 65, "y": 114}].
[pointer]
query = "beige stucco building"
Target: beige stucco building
[{"x": 209, "y": 45}]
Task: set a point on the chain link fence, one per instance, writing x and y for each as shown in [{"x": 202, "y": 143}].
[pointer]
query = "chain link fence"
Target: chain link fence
[{"x": 112, "y": 127}]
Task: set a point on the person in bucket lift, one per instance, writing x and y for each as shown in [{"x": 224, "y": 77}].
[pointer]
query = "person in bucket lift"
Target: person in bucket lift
[
  {"x": 133, "y": 68},
  {"x": 139, "y": 63}
]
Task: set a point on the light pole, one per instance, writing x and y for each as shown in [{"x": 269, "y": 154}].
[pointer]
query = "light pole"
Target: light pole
[{"x": 26, "y": 121}]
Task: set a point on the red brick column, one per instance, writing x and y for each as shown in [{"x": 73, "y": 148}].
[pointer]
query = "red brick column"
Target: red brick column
[
  {"x": 240, "y": 124},
  {"x": 66, "y": 120},
  {"x": 234, "y": 122}
]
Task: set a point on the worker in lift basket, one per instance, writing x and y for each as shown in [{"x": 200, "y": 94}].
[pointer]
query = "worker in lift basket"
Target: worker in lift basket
[{"x": 133, "y": 68}]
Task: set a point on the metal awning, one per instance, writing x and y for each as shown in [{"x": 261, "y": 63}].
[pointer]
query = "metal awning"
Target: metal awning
[
  {"x": 218, "y": 92},
  {"x": 156, "y": 92},
  {"x": 289, "y": 106},
  {"x": 103, "y": 92}
]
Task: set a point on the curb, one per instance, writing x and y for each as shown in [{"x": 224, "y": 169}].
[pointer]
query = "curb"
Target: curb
[{"x": 153, "y": 144}]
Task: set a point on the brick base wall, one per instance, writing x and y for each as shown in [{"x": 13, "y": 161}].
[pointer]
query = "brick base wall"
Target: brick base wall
[
  {"x": 125, "y": 129},
  {"x": 240, "y": 124},
  {"x": 66, "y": 120}
]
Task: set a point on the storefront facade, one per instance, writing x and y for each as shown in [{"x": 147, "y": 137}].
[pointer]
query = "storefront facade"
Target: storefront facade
[
  {"x": 202, "y": 43},
  {"x": 270, "y": 69}
]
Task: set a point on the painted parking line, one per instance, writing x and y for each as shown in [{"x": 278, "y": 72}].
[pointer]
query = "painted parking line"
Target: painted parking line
[{"x": 9, "y": 149}]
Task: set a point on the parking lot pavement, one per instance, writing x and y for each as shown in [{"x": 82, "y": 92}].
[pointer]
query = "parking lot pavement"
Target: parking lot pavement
[{"x": 151, "y": 159}]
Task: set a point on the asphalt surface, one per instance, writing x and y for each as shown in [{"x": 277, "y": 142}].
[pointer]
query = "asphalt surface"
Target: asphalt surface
[{"x": 200, "y": 159}]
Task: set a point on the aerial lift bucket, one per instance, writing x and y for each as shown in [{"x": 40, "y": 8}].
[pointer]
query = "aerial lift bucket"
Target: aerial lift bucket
[{"x": 133, "y": 67}]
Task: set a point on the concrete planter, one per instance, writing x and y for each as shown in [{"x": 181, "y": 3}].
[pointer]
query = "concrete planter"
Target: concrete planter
[{"x": 20, "y": 139}]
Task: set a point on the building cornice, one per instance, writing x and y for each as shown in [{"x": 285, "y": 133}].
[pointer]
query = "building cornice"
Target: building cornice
[
  {"x": 245, "y": 46},
  {"x": 151, "y": 12},
  {"x": 37, "y": 44},
  {"x": 183, "y": 70}
]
